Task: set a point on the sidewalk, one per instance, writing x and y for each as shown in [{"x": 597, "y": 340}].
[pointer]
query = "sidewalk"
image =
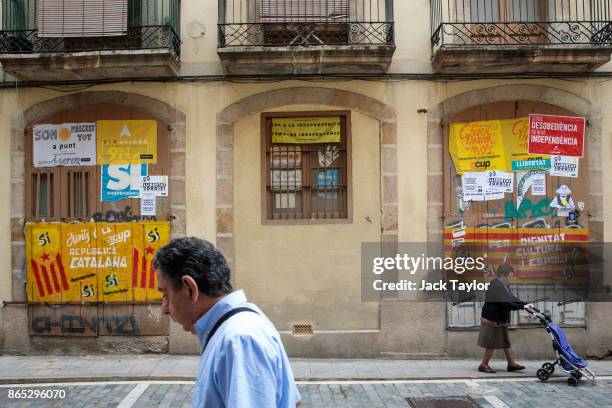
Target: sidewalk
[{"x": 37, "y": 369}]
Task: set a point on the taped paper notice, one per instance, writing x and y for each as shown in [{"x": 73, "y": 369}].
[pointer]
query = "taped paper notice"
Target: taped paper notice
[
  {"x": 458, "y": 233},
  {"x": 457, "y": 242},
  {"x": 538, "y": 185},
  {"x": 147, "y": 204},
  {"x": 154, "y": 185},
  {"x": 473, "y": 184},
  {"x": 564, "y": 166},
  {"x": 500, "y": 181}
]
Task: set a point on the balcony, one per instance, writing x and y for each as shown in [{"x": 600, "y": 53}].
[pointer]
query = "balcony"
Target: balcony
[
  {"x": 65, "y": 40},
  {"x": 507, "y": 36},
  {"x": 305, "y": 36}
]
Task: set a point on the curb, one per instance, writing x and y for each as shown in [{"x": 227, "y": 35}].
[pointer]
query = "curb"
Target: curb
[{"x": 40, "y": 380}]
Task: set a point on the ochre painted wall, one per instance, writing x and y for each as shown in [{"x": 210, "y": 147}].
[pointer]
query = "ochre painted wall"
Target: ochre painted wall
[{"x": 307, "y": 273}]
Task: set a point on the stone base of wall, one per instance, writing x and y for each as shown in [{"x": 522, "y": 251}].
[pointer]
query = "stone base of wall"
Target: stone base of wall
[{"x": 14, "y": 339}]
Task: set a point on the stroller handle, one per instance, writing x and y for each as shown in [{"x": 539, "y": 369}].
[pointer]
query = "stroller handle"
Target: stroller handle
[{"x": 537, "y": 313}]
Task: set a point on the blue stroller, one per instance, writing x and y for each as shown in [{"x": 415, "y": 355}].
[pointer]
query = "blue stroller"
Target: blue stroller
[{"x": 567, "y": 359}]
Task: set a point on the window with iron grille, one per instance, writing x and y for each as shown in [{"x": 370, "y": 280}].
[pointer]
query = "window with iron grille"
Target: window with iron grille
[{"x": 306, "y": 180}]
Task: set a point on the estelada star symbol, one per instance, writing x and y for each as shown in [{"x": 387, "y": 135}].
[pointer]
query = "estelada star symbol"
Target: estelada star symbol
[
  {"x": 45, "y": 257},
  {"x": 150, "y": 250}
]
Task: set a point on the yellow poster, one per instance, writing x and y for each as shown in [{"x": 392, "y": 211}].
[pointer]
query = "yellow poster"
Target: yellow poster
[
  {"x": 148, "y": 238},
  {"x": 93, "y": 262},
  {"x": 81, "y": 259},
  {"x": 113, "y": 280},
  {"x": 306, "y": 130},
  {"x": 46, "y": 279},
  {"x": 477, "y": 146},
  {"x": 515, "y": 133},
  {"x": 126, "y": 141}
]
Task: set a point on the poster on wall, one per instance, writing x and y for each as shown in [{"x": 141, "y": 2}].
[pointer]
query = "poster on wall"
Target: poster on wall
[
  {"x": 154, "y": 185},
  {"x": 477, "y": 146},
  {"x": 556, "y": 135},
  {"x": 564, "y": 166},
  {"x": 516, "y": 135},
  {"x": 121, "y": 181},
  {"x": 148, "y": 204},
  {"x": 66, "y": 144},
  {"x": 126, "y": 141},
  {"x": 93, "y": 262},
  {"x": 306, "y": 130},
  {"x": 532, "y": 179}
]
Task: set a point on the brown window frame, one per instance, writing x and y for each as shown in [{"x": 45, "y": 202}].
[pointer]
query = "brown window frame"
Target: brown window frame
[{"x": 345, "y": 179}]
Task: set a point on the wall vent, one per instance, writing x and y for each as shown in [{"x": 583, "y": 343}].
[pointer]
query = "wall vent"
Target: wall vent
[{"x": 302, "y": 330}]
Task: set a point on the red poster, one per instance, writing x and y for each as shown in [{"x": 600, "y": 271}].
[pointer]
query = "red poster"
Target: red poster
[{"x": 556, "y": 135}]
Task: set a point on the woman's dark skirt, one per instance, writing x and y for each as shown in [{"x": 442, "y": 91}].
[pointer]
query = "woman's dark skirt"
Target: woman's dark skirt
[{"x": 492, "y": 337}]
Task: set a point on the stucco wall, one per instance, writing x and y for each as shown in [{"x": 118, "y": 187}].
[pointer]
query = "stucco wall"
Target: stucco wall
[{"x": 309, "y": 291}]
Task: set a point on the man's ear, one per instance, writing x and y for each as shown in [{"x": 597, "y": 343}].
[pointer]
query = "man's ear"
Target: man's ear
[{"x": 192, "y": 287}]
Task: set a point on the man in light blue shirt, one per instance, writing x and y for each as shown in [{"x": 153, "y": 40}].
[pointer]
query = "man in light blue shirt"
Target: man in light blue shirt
[{"x": 243, "y": 363}]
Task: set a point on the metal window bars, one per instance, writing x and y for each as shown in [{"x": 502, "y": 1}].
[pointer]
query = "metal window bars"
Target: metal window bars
[
  {"x": 281, "y": 23},
  {"x": 151, "y": 24},
  {"x": 516, "y": 23}
]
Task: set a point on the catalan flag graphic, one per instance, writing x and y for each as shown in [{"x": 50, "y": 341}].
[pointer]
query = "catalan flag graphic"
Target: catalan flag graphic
[
  {"x": 50, "y": 272},
  {"x": 143, "y": 273}
]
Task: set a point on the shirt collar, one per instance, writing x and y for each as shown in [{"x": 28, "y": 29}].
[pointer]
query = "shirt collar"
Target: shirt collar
[{"x": 204, "y": 324}]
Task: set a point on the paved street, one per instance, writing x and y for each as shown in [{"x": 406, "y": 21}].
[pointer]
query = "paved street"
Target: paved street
[
  {"x": 127, "y": 381},
  {"x": 514, "y": 393}
]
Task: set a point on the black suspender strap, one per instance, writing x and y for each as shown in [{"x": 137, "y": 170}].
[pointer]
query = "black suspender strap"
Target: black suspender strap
[{"x": 222, "y": 319}]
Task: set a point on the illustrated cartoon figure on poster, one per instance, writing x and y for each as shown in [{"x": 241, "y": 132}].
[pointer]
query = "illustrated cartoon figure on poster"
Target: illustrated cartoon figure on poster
[{"x": 563, "y": 201}]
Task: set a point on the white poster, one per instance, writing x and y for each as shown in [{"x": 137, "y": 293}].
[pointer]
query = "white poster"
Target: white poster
[
  {"x": 500, "y": 181},
  {"x": 154, "y": 185},
  {"x": 66, "y": 144},
  {"x": 148, "y": 204},
  {"x": 538, "y": 185},
  {"x": 473, "y": 184},
  {"x": 524, "y": 181},
  {"x": 476, "y": 187},
  {"x": 564, "y": 166}
]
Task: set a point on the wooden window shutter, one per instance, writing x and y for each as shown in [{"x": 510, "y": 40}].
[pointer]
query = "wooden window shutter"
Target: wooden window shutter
[
  {"x": 82, "y": 18},
  {"x": 309, "y": 10}
]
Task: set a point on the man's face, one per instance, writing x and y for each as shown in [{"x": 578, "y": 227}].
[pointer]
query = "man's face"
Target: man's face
[{"x": 176, "y": 302}]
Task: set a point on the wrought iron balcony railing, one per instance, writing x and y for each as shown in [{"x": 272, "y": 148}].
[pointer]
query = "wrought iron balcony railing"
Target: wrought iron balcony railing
[
  {"x": 151, "y": 24},
  {"x": 504, "y": 23},
  {"x": 282, "y": 23}
]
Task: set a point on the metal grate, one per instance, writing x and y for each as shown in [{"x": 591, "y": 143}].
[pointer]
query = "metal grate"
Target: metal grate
[
  {"x": 519, "y": 22},
  {"x": 446, "y": 402},
  {"x": 273, "y": 23},
  {"x": 30, "y": 26},
  {"x": 302, "y": 330}
]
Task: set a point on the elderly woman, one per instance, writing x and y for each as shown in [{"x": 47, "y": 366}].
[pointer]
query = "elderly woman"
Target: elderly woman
[{"x": 495, "y": 319}]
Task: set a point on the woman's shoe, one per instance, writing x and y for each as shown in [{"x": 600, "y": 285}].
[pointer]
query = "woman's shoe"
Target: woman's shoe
[
  {"x": 486, "y": 369},
  {"x": 515, "y": 367}
]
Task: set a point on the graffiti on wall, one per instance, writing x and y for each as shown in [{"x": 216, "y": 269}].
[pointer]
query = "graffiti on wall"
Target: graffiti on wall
[
  {"x": 89, "y": 320},
  {"x": 93, "y": 262},
  {"x": 538, "y": 255}
]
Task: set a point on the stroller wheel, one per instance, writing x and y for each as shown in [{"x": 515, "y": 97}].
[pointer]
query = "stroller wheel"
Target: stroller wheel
[
  {"x": 572, "y": 381},
  {"x": 542, "y": 374},
  {"x": 549, "y": 367}
]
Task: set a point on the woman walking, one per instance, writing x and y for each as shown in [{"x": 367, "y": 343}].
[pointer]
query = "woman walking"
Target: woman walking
[{"x": 495, "y": 319}]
